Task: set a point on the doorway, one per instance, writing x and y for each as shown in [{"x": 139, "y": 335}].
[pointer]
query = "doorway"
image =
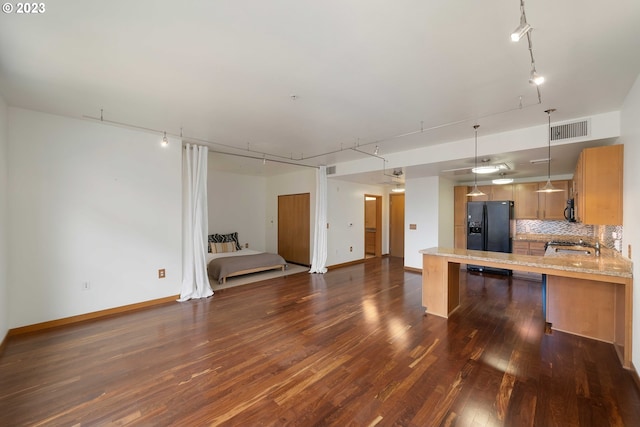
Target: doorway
[
  {"x": 396, "y": 225},
  {"x": 372, "y": 226}
]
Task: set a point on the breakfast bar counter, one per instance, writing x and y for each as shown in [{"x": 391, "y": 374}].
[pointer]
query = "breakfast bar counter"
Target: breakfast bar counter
[{"x": 589, "y": 296}]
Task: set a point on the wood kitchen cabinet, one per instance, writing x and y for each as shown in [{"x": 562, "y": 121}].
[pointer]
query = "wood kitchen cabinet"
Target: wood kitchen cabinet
[
  {"x": 529, "y": 204},
  {"x": 598, "y": 185},
  {"x": 552, "y": 205},
  {"x": 526, "y": 200},
  {"x": 527, "y": 247},
  {"x": 502, "y": 192}
]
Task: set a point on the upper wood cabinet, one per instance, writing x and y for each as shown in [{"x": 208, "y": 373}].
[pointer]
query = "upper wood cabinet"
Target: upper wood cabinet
[
  {"x": 526, "y": 200},
  {"x": 502, "y": 192},
  {"x": 552, "y": 205},
  {"x": 529, "y": 204},
  {"x": 598, "y": 185}
]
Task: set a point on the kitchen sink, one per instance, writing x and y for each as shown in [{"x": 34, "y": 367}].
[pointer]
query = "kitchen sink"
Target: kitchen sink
[{"x": 573, "y": 251}]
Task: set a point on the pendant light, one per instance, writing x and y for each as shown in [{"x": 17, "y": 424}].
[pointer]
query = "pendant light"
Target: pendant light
[
  {"x": 476, "y": 191},
  {"x": 548, "y": 187}
]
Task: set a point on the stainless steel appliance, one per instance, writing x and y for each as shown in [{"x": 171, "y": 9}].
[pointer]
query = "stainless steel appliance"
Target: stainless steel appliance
[
  {"x": 570, "y": 211},
  {"x": 490, "y": 228}
]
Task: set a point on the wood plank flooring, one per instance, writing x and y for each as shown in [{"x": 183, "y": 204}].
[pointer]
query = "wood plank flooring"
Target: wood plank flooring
[{"x": 352, "y": 347}]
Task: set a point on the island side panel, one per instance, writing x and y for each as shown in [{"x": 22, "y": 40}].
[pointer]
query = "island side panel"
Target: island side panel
[
  {"x": 453, "y": 283},
  {"x": 582, "y": 307},
  {"x": 440, "y": 285}
]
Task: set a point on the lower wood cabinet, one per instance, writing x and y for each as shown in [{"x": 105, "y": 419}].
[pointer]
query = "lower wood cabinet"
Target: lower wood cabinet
[{"x": 528, "y": 247}]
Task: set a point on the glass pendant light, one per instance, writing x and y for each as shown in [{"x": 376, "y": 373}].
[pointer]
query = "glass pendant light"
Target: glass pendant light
[
  {"x": 548, "y": 187},
  {"x": 476, "y": 191}
]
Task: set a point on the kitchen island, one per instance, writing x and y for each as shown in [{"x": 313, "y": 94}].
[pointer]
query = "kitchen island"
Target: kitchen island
[{"x": 589, "y": 296}]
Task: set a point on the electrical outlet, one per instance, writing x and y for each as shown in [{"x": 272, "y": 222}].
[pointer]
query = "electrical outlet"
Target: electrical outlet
[
  {"x": 86, "y": 286},
  {"x": 161, "y": 273},
  {"x": 350, "y": 248}
]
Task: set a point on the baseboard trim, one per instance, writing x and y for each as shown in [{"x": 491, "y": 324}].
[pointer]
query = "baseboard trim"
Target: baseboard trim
[
  {"x": 413, "y": 269},
  {"x": 88, "y": 316},
  {"x": 345, "y": 264},
  {"x": 634, "y": 374},
  {"x": 3, "y": 343}
]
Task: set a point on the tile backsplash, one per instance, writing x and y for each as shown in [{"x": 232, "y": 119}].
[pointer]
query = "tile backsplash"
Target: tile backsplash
[{"x": 609, "y": 236}]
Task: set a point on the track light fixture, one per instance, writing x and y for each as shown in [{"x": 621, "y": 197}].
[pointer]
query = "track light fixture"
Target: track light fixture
[
  {"x": 165, "y": 141},
  {"x": 376, "y": 151},
  {"x": 536, "y": 78},
  {"x": 525, "y": 29},
  {"x": 476, "y": 191},
  {"x": 522, "y": 29}
]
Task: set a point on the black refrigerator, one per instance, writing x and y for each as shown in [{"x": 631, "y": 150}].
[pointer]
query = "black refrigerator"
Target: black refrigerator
[{"x": 489, "y": 228}]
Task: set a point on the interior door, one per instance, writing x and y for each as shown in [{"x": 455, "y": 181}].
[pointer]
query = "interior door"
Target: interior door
[
  {"x": 396, "y": 225},
  {"x": 294, "y": 241}
]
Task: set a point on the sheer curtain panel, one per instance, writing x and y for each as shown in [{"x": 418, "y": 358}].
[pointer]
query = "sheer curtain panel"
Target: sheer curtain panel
[
  {"x": 319, "y": 260},
  {"x": 195, "y": 283}
]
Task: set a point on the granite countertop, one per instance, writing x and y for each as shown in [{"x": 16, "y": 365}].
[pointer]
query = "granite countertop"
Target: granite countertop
[{"x": 609, "y": 263}]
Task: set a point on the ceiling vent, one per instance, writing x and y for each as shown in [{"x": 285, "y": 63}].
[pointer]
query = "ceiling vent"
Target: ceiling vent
[
  {"x": 331, "y": 170},
  {"x": 570, "y": 130}
]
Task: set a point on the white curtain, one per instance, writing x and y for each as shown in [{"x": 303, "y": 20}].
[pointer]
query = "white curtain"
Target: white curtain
[
  {"x": 319, "y": 260},
  {"x": 195, "y": 218}
]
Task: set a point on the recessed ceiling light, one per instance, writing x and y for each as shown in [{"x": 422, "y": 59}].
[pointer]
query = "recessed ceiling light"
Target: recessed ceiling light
[
  {"x": 490, "y": 168},
  {"x": 501, "y": 181}
]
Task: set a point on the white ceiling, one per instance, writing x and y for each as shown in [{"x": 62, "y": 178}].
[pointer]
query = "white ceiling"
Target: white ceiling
[{"x": 362, "y": 72}]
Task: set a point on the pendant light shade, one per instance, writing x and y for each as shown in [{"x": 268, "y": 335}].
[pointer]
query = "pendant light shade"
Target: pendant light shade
[
  {"x": 548, "y": 187},
  {"x": 476, "y": 191}
]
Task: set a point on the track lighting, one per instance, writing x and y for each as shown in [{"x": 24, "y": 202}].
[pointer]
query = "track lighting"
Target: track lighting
[
  {"x": 165, "y": 141},
  {"x": 376, "y": 151},
  {"x": 525, "y": 29},
  {"x": 536, "y": 78},
  {"x": 519, "y": 32}
]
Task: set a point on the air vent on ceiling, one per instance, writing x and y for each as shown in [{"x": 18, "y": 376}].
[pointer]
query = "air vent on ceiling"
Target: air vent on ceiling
[
  {"x": 331, "y": 170},
  {"x": 570, "y": 130}
]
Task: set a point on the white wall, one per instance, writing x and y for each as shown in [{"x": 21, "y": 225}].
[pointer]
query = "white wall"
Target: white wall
[
  {"x": 345, "y": 215},
  {"x": 630, "y": 130},
  {"x": 237, "y": 203},
  {"x": 89, "y": 203},
  {"x": 445, "y": 213},
  {"x": 4, "y": 224},
  {"x": 300, "y": 182},
  {"x": 422, "y": 208}
]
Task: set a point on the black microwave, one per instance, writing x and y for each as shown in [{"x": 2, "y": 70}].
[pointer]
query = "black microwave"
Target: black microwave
[{"x": 570, "y": 211}]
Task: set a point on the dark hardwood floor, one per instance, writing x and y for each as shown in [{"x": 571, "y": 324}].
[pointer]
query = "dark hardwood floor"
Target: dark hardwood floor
[{"x": 352, "y": 347}]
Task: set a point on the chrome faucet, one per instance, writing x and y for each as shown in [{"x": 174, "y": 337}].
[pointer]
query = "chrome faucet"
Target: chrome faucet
[{"x": 597, "y": 248}]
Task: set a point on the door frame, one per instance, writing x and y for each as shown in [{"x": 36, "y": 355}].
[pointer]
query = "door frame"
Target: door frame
[{"x": 378, "y": 239}]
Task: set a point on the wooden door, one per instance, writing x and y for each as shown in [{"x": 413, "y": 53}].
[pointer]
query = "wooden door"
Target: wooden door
[
  {"x": 396, "y": 225},
  {"x": 294, "y": 241}
]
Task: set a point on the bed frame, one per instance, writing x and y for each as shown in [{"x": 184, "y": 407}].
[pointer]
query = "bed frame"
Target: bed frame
[{"x": 253, "y": 270}]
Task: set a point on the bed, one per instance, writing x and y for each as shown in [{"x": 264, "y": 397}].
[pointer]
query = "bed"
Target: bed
[
  {"x": 226, "y": 258},
  {"x": 222, "y": 265}
]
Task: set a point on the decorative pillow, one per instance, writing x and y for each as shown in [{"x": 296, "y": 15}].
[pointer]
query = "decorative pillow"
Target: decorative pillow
[
  {"x": 224, "y": 238},
  {"x": 218, "y": 248}
]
